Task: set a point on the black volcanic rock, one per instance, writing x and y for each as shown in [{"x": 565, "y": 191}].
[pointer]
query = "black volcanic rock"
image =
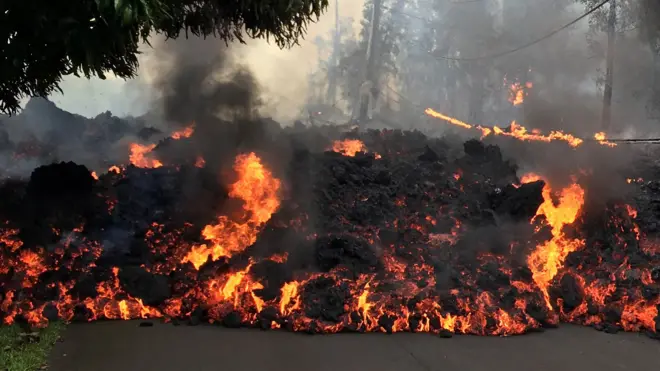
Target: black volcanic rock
[
  {"x": 58, "y": 180},
  {"x": 151, "y": 288},
  {"x": 519, "y": 203}
]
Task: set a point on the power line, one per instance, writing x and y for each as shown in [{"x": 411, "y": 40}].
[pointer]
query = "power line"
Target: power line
[
  {"x": 507, "y": 52},
  {"x": 466, "y": 1},
  {"x": 393, "y": 10},
  {"x": 524, "y": 46}
]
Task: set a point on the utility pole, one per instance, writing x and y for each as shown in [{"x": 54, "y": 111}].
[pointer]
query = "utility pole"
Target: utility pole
[
  {"x": 609, "y": 72},
  {"x": 332, "y": 65},
  {"x": 370, "y": 71}
]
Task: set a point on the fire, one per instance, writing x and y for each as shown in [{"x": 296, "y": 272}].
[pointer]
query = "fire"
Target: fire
[
  {"x": 517, "y": 93},
  {"x": 349, "y": 147},
  {"x": 398, "y": 268},
  {"x": 139, "y": 156},
  {"x": 530, "y": 178},
  {"x": 183, "y": 133},
  {"x": 515, "y": 131},
  {"x": 258, "y": 189},
  {"x": 200, "y": 162},
  {"x": 602, "y": 139},
  {"x": 290, "y": 300},
  {"x": 94, "y": 175},
  {"x": 546, "y": 260}
]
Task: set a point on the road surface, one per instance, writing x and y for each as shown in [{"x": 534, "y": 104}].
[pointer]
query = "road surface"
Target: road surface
[{"x": 114, "y": 346}]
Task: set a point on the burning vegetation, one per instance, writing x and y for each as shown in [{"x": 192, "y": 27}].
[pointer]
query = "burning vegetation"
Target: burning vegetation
[{"x": 385, "y": 231}]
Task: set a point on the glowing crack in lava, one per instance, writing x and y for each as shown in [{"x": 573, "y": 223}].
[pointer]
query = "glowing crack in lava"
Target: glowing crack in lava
[
  {"x": 258, "y": 189},
  {"x": 546, "y": 260}
]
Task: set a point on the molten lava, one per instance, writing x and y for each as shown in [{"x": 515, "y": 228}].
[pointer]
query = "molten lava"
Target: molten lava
[{"x": 405, "y": 244}]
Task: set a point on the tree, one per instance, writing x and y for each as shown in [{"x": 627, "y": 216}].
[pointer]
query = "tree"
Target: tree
[
  {"x": 352, "y": 61},
  {"x": 48, "y": 39}
]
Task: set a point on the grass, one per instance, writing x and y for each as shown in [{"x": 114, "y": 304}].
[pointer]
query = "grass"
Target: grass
[{"x": 26, "y": 352}]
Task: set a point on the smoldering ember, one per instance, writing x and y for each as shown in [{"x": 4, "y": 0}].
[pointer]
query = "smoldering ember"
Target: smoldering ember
[{"x": 314, "y": 230}]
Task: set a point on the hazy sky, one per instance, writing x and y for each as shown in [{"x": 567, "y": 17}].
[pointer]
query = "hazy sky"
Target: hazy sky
[{"x": 282, "y": 74}]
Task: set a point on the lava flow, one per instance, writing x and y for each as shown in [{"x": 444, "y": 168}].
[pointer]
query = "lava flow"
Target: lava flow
[{"x": 400, "y": 232}]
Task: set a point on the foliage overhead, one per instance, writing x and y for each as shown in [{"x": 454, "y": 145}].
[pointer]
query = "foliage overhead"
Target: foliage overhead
[{"x": 48, "y": 39}]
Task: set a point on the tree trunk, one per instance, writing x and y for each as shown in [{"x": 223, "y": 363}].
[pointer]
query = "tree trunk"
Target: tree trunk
[
  {"x": 372, "y": 50},
  {"x": 332, "y": 67},
  {"x": 609, "y": 72}
]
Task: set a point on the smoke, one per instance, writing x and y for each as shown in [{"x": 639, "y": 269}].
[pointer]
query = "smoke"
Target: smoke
[
  {"x": 43, "y": 133},
  {"x": 198, "y": 81}
]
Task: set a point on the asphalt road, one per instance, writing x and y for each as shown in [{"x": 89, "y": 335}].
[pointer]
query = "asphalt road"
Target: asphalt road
[{"x": 123, "y": 346}]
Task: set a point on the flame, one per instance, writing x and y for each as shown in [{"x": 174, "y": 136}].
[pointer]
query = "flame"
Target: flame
[
  {"x": 530, "y": 178},
  {"x": 183, "y": 133},
  {"x": 602, "y": 139},
  {"x": 517, "y": 93},
  {"x": 348, "y": 147},
  {"x": 290, "y": 299},
  {"x": 548, "y": 257},
  {"x": 139, "y": 156},
  {"x": 520, "y": 132},
  {"x": 94, "y": 175},
  {"x": 516, "y": 131},
  {"x": 200, "y": 162},
  {"x": 258, "y": 189},
  {"x": 401, "y": 295}
]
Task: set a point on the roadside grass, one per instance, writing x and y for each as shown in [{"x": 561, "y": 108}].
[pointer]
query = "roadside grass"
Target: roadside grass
[{"x": 20, "y": 351}]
